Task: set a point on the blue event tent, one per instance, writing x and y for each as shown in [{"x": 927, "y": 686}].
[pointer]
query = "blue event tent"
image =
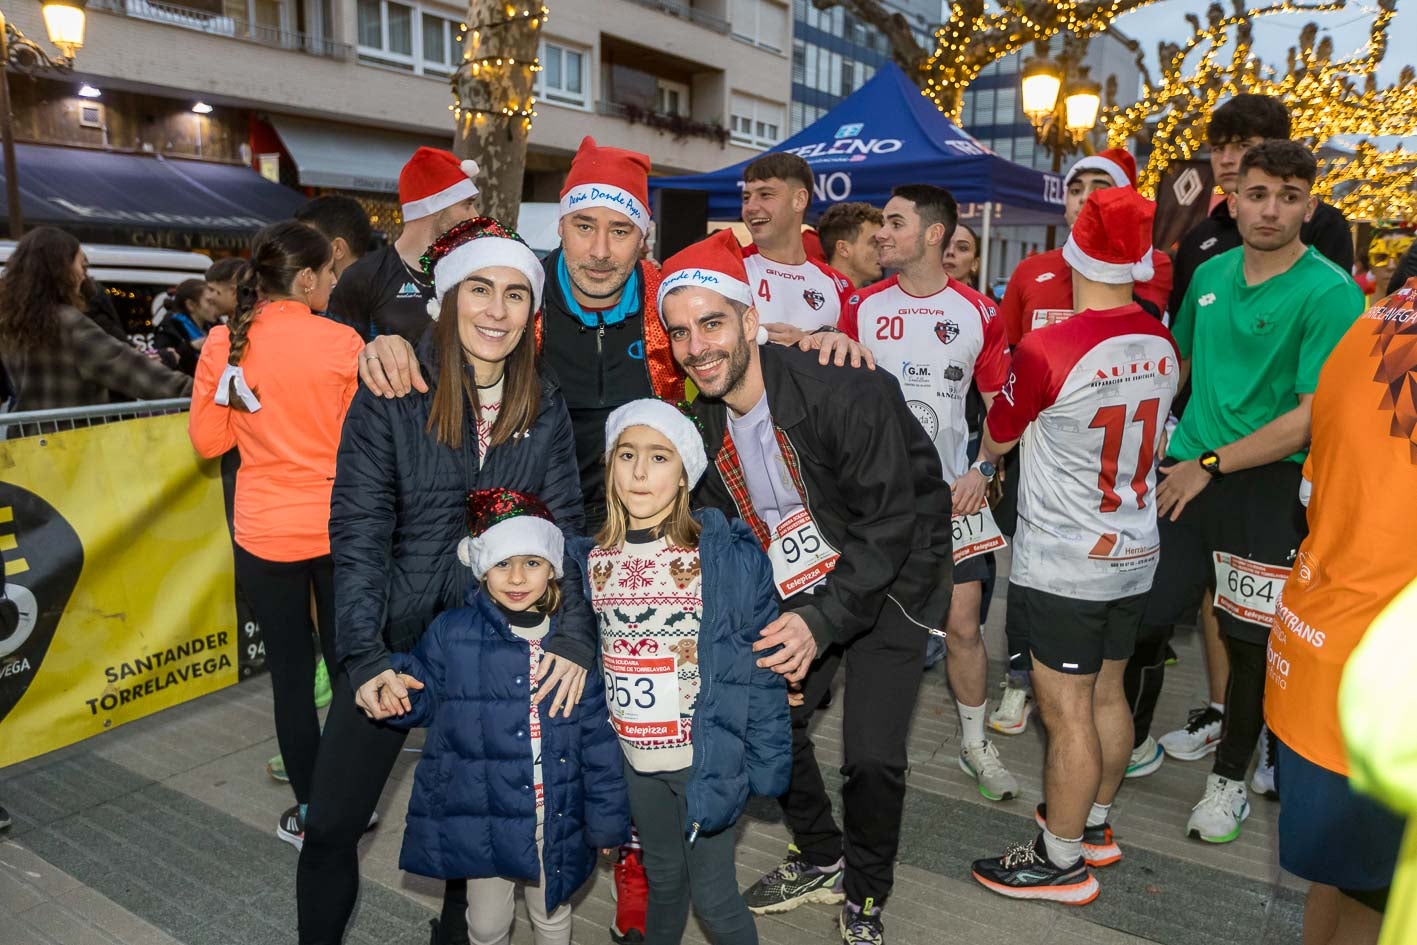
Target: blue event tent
[{"x": 887, "y": 133}]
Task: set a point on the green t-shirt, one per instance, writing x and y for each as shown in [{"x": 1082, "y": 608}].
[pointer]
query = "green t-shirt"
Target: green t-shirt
[{"x": 1254, "y": 348}]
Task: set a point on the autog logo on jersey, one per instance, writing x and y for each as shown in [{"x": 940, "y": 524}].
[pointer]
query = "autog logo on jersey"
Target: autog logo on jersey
[
  {"x": 814, "y": 298},
  {"x": 946, "y": 331},
  {"x": 1143, "y": 367}
]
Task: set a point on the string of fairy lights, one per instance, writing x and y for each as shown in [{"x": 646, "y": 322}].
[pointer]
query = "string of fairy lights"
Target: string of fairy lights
[
  {"x": 1326, "y": 98},
  {"x": 489, "y": 73}
]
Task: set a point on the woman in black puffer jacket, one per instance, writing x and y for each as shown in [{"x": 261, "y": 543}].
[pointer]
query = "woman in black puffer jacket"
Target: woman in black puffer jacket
[{"x": 397, "y": 512}]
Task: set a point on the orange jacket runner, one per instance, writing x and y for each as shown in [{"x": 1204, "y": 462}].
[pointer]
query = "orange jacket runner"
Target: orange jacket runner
[{"x": 1362, "y": 519}]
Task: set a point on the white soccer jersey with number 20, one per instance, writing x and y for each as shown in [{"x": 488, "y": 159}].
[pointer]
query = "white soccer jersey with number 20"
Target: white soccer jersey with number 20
[{"x": 1089, "y": 397}]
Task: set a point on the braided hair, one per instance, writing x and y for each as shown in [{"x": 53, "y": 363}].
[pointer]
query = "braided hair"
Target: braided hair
[{"x": 278, "y": 254}]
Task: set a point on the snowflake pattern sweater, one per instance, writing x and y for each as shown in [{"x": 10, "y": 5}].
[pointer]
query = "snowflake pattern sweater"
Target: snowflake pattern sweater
[{"x": 648, "y": 601}]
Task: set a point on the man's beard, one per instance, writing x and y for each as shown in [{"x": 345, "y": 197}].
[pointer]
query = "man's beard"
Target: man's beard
[
  {"x": 592, "y": 267},
  {"x": 736, "y": 370}
]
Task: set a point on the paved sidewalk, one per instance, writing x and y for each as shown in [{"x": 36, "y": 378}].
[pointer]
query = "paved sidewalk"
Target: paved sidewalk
[{"x": 163, "y": 833}]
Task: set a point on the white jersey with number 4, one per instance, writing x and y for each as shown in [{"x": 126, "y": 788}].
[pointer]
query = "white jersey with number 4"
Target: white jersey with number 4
[
  {"x": 1090, "y": 397},
  {"x": 806, "y": 296},
  {"x": 936, "y": 347}
]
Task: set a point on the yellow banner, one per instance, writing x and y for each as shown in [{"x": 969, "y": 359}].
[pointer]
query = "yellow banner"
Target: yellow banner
[{"x": 117, "y": 552}]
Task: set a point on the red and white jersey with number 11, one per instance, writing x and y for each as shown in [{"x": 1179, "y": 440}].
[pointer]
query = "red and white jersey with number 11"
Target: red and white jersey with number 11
[
  {"x": 806, "y": 296},
  {"x": 1089, "y": 397}
]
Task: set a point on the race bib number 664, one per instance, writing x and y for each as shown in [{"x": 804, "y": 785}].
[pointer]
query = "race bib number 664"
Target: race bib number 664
[{"x": 1248, "y": 590}]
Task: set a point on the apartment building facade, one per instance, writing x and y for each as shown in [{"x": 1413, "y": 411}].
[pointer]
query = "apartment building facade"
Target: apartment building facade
[{"x": 333, "y": 95}]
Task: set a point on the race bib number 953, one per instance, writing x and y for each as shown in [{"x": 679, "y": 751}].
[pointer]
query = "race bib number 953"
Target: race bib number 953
[
  {"x": 642, "y": 693},
  {"x": 1248, "y": 590}
]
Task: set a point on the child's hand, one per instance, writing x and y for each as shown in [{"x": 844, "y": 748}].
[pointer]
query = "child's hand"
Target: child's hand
[
  {"x": 393, "y": 704},
  {"x": 568, "y": 679}
]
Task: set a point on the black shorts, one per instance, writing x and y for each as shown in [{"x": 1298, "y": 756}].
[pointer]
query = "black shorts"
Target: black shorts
[
  {"x": 972, "y": 569},
  {"x": 1074, "y": 636},
  {"x": 1254, "y": 514}
]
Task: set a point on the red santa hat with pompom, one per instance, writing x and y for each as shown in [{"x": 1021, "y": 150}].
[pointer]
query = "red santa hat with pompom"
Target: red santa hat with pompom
[
  {"x": 434, "y": 180},
  {"x": 608, "y": 177},
  {"x": 1116, "y": 163},
  {"x": 1111, "y": 240}
]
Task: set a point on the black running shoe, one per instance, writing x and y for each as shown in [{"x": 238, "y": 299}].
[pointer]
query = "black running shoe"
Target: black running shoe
[
  {"x": 793, "y": 883},
  {"x": 1098, "y": 846},
  {"x": 861, "y": 925},
  {"x": 1024, "y": 872},
  {"x": 291, "y": 827}
]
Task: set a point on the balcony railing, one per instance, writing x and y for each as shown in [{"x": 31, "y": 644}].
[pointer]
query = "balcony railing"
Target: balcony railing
[
  {"x": 204, "y": 21},
  {"x": 678, "y": 126},
  {"x": 686, "y": 12}
]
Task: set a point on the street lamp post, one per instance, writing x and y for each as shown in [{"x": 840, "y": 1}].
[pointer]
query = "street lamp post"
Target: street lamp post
[
  {"x": 1062, "y": 104},
  {"x": 64, "y": 21}
]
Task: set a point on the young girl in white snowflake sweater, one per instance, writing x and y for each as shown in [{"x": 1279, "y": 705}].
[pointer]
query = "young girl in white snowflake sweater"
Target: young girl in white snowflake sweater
[{"x": 681, "y": 597}]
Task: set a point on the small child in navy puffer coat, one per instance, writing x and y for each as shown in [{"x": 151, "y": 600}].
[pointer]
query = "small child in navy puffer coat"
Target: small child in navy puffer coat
[{"x": 508, "y": 793}]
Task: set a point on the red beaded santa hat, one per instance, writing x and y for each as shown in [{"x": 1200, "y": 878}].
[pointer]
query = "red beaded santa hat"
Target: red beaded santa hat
[
  {"x": 1116, "y": 163},
  {"x": 1111, "y": 240},
  {"x": 433, "y": 180},
  {"x": 608, "y": 177}
]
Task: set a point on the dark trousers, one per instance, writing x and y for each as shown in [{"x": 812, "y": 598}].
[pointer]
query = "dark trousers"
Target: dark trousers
[
  {"x": 1244, "y": 708},
  {"x": 279, "y": 592},
  {"x": 679, "y": 871},
  {"x": 883, "y": 670},
  {"x": 356, "y": 756},
  {"x": 1144, "y": 676}
]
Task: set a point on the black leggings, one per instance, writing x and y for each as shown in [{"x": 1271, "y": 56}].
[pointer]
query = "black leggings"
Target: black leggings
[
  {"x": 1244, "y": 708},
  {"x": 279, "y": 592},
  {"x": 356, "y": 757}
]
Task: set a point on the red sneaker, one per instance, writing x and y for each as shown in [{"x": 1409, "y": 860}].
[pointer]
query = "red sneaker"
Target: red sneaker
[{"x": 631, "y": 900}]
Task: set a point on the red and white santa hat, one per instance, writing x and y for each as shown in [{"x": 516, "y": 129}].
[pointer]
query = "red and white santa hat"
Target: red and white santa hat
[
  {"x": 1111, "y": 240},
  {"x": 1116, "y": 163},
  {"x": 715, "y": 263},
  {"x": 608, "y": 177},
  {"x": 433, "y": 180}
]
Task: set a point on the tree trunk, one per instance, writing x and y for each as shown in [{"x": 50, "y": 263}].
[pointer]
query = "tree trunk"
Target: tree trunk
[{"x": 494, "y": 101}]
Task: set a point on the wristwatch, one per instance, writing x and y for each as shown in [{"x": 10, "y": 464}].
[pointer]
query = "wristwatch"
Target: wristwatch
[
  {"x": 986, "y": 468},
  {"x": 1210, "y": 462}
]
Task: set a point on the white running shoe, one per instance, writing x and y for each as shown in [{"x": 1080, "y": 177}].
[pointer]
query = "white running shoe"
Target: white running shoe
[
  {"x": 1262, "y": 781},
  {"x": 1199, "y": 737},
  {"x": 1011, "y": 717},
  {"x": 981, "y": 762},
  {"x": 1146, "y": 758},
  {"x": 1218, "y": 816}
]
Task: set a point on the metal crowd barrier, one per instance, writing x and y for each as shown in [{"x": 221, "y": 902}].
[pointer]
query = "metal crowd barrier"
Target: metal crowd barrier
[{"x": 39, "y": 422}]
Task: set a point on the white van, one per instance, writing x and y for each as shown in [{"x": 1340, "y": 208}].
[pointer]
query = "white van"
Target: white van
[{"x": 137, "y": 280}]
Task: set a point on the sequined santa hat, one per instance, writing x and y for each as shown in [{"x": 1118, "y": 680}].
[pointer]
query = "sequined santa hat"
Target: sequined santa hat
[
  {"x": 479, "y": 243},
  {"x": 434, "y": 180},
  {"x": 1111, "y": 240},
  {"x": 503, "y": 523}
]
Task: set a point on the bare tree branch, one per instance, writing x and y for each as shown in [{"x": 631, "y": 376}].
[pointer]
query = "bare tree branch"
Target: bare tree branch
[{"x": 905, "y": 50}]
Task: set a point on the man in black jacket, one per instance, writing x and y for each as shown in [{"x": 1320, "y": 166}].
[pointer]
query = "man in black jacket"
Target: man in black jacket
[{"x": 845, "y": 492}]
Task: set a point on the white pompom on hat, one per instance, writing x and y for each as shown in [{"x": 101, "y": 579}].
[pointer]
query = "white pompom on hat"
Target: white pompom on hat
[
  {"x": 503, "y": 523},
  {"x": 667, "y": 419},
  {"x": 1111, "y": 240}
]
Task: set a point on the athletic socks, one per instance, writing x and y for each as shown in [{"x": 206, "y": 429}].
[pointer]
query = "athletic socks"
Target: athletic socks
[
  {"x": 1098, "y": 815},
  {"x": 971, "y": 720},
  {"x": 1219, "y": 707},
  {"x": 1061, "y": 853}
]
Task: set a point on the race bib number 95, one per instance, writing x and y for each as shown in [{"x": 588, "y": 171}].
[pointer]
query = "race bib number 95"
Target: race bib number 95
[
  {"x": 1248, "y": 590},
  {"x": 799, "y": 554}
]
